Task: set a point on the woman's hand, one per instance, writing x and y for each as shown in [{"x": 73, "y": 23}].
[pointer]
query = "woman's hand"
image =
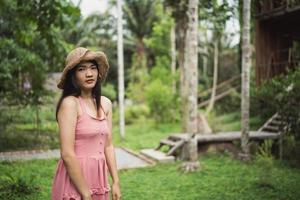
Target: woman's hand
[
  {"x": 87, "y": 197},
  {"x": 116, "y": 193}
]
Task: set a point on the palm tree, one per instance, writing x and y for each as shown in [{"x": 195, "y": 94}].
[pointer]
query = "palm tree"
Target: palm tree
[
  {"x": 139, "y": 17},
  {"x": 179, "y": 13}
]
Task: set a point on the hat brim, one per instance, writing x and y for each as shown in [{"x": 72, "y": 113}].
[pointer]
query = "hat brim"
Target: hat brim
[{"x": 97, "y": 56}]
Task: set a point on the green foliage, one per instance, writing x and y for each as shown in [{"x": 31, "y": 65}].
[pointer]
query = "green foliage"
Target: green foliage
[
  {"x": 291, "y": 150},
  {"x": 109, "y": 91},
  {"x": 220, "y": 178},
  {"x": 159, "y": 41},
  {"x": 281, "y": 94},
  {"x": 16, "y": 61},
  {"x": 139, "y": 78},
  {"x": 136, "y": 113},
  {"x": 265, "y": 161},
  {"x": 215, "y": 14},
  {"x": 231, "y": 103},
  {"x": 32, "y": 44},
  {"x": 19, "y": 129},
  {"x": 139, "y": 17},
  {"x": 163, "y": 103},
  {"x": 22, "y": 185}
]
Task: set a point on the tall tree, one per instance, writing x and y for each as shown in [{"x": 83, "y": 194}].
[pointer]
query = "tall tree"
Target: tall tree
[
  {"x": 32, "y": 40},
  {"x": 179, "y": 13},
  {"x": 190, "y": 74},
  {"x": 139, "y": 17},
  {"x": 173, "y": 56},
  {"x": 246, "y": 64},
  {"x": 121, "y": 71},
  {"x": 215, "y": 13}
]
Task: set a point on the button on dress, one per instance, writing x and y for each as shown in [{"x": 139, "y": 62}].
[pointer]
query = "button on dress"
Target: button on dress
[{"x": 90, "y": 137}]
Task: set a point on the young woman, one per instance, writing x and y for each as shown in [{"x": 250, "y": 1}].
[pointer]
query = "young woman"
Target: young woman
[{"x": 85, "y": 126}]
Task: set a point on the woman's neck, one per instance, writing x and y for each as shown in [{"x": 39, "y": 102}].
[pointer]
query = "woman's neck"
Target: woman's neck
[{"x": 86, "y": 94}]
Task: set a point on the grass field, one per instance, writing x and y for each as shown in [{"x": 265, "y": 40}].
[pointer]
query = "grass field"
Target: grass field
[{"x": 220, "y": 178}]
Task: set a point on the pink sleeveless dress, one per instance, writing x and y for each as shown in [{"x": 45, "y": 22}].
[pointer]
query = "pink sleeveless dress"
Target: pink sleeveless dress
[{"x": 90, "y": 136}]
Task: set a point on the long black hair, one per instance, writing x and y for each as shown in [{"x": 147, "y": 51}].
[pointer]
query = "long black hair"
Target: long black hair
[{"x": 71, "y": 88}]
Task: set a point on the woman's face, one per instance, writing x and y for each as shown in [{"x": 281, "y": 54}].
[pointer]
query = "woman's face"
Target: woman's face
[{"x": 86, "y": 74}]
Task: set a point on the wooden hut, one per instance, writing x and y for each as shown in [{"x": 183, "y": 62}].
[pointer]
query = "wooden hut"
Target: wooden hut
[{"x": 277, "y": 37}]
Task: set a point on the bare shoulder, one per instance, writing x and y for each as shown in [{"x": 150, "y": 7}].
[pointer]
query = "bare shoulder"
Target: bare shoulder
[
  {"x": 69, "y": 103},
  {"x": 106, "y": 103}
]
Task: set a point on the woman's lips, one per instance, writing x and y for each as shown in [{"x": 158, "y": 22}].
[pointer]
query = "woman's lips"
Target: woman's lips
[{"x": 89, "y": 81}]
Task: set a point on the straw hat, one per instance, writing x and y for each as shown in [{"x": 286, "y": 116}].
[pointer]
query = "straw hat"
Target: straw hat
[{"x": 81, "y": 54}]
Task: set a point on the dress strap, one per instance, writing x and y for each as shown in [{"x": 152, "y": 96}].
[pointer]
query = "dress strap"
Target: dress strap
[
  {"x": 81, "y": 104},
  {"x": 103, "y": 112}
]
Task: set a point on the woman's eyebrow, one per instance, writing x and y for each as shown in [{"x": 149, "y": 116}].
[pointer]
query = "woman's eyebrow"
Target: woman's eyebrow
[{"x": 86, "y": 65}]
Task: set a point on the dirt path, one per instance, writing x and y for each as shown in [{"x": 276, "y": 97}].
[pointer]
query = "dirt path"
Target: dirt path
[{"x": 126, "y": 158}]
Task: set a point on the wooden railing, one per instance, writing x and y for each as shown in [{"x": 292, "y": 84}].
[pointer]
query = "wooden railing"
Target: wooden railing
[
  {"x": 267, "y": 6},
  {"x": 223, "y": 89}
]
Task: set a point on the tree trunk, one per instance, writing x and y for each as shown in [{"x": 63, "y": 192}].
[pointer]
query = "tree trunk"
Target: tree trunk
[
  {"x": 204, "y": 64},
  {"x": 190, "y": 73},
  {"x": 246, "y": 64},
  {"x": 182, "y": 28},
  {"x": 215, "y": 80},
  {"x": 173, "y": 58},
  {"x": 203, "y": 126},
  {"x": 120, "y": 72}
]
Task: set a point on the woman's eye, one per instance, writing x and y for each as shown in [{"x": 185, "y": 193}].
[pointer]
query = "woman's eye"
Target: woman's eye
[
  {"x": 93, "y": 67},
  {"x": 80, "y": 69}
]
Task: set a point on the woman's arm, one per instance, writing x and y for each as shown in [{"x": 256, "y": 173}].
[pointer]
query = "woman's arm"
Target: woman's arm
[
  {"x": 110, "y": 155},
  {"x": 67, "y": 117}
]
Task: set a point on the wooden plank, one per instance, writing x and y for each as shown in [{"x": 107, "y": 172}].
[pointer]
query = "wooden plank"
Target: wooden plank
[
  {"x": 179, "y": 136},
  {"x": 224, "y": 83},
  {"x": 271, "y": 128},
  {"x": 177, "y": 146},
  {"x": 218, "y": 97},
  {"x": 168, "y": 142},
  {"x": 231, "y": 136},
  {"x": 228, "y": 136},
  {"x": 157, "y": 156}
]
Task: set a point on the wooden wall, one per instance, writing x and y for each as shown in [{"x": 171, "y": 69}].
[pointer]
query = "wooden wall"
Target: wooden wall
[{"x": 275, "y": 32}]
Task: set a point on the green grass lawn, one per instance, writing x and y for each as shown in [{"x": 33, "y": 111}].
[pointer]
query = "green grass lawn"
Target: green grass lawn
[
  {"x": 220, "y": 178},
  {"x": 144, "y": 135}
]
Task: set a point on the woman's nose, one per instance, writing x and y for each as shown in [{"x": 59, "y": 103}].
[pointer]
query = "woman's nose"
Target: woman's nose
[{"x": 89, "y": 72}]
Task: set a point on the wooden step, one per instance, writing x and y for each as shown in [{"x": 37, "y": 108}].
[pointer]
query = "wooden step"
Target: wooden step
[
  {"x": 168, "y": 142},
  {"x": 276, "y": 122},
  {"x": 278, "y": 118},
  {"x": 179, "y": 136},
  {"x": 271, "y": 128},
  {"x": 174, "y": 148},
  {"x": 157, "y": 156}
]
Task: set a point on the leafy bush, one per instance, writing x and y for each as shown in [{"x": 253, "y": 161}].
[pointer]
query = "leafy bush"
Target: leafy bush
[
  {"x": 134, "y": 113},
  {"x": 161, "y": 101},
  {"x": 109, "y": 91},
  {"x": 21, "y": 185},
  {"x": 281, "y": 94},
  {"x": 230, "y": 103},
  {"x": 139, "y": 77},
  {"x": 265, "y": 161}
]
